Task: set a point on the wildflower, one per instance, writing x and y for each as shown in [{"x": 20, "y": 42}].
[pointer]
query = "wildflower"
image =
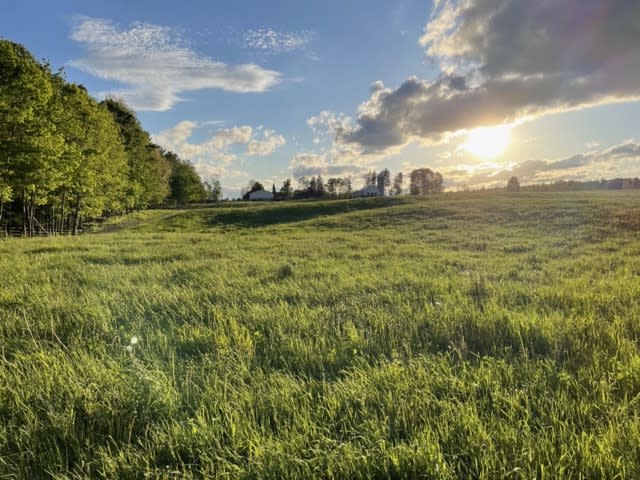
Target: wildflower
[{"x": 134, "y": 340}]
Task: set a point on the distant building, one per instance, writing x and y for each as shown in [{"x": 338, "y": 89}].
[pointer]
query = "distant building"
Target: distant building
[
  {"x": 260, "y": 195},
  {"x": 368, "y": 191}
]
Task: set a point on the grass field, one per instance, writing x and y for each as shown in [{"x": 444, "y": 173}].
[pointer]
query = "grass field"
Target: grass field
[{"x": 477, "y": 335}]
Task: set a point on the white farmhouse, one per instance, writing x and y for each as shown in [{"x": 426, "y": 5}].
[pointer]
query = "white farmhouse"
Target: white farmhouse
[
  {"x": 368, "y": 191},
  {"x": 260, "y": 195}
]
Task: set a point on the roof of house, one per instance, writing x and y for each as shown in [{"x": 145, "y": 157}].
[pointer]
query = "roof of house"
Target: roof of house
[
  {"x": 261, "y": 193},
  {"x": 368, "y": 190}
]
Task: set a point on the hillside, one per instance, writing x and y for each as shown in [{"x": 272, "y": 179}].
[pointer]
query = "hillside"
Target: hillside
[{"x": 475, "y": 335}]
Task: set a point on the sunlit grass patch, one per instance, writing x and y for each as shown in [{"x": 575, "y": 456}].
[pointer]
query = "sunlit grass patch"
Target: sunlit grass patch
[{"x": 473, "y": 335}]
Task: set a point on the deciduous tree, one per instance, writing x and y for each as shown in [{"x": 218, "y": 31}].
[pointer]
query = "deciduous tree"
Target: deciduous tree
[
  {"x": 397, "y": 184},
  {"x": 29, "y": 142},
  {"x": 147, "y": 172},
  {"x": 424, "y": 181},
  {"x": 286, "y": 189},
  {"x": 213, "y": 188},
  {"x": 186, "y": 186},
  {"x": 513, "y": 185}
]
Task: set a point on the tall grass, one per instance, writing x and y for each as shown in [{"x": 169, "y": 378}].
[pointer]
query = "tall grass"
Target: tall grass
[{"x": 457, "y": 336}]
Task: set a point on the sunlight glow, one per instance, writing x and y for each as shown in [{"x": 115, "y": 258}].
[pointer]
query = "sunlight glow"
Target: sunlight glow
[{"x": 488, "y": 141}]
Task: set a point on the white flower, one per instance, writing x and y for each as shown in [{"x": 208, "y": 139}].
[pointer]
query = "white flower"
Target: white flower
[{"x": 134, "y": 340}]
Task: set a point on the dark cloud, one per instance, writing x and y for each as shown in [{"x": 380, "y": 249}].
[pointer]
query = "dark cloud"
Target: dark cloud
[
  {"x": 505, "y": 60},
  {"x": 571, "y": 162},
  {"x": 525, "y": 37},
  {"x": 624, "y": 150}
]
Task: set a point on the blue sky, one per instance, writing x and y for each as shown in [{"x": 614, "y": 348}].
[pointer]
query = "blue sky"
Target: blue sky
[{"x": 269, "y": 90}]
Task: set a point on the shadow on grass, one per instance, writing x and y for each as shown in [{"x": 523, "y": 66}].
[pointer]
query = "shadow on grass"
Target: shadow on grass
[{"x": 262, "y": 215}]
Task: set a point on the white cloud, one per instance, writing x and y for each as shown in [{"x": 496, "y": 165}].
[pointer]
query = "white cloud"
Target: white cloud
[
  {"x": 177, "y": 135},
  {"x": 312, "y": 164},
  {"x": 220, "y": 153},
  {"x": 342, "y": 158},
  {"x": 328, "y": 123},
  {"x": 156, "y": 65},
  {"x": 230, "y": 136},
  {"x": 339, "y": 161},
  {"x": 267, "y": 145},
  {"x": 622, "y": 160},
  {"x": 232, "y": 180},
  {"x": 505, "y": 61},
  {"x": 177, "y": 139},
  {"x": 270, "y": 41},
  {"x": 307, "y": 164}
]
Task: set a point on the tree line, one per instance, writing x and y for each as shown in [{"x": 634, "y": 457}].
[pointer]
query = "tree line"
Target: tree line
[
  {"x": 65, "y": 157},
  {"x": 574, "y": 185},
  {"x": 422, "y": 181}
]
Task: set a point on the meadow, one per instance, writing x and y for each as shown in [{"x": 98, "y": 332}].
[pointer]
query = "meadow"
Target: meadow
[{"x": 477, "y": 335}]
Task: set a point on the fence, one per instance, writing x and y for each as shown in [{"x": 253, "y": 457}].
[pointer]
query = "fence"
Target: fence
[{"x": 37, "y": 232}]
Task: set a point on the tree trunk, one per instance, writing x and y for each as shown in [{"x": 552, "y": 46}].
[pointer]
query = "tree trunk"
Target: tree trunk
[
  {"x": 62, "y": 206},
  {"x": 23, "y": 200},
  {"x": 32, "y": 213},
  {"x": 76, "y": 217}
]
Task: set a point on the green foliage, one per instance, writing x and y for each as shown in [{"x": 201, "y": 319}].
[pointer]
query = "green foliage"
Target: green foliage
[
  {"x": 255, "y": 186},
  {"x": 6, "y": 193},
  {"x": 423, "y": 181},
  {"x": 29, "y": 145},
  {"x": 315, "y": 187},
  {"x": 186, "y": 186},
  {"x": 513, "y": 185},
  {"x": 286, "y": 190},
  {"x": 148, "y": 169},
  {"x": 397, "y": 184},
  {"x": 213, "y": 189},
  {"x": 94, "y": 162},
  {"x": 574, "y": 185},
  {"x": 370, "y": 178},
  {"x": 63, "y": 156},
  {"x": 159, "y": 177},
  {"x": 463, "y": 336}
]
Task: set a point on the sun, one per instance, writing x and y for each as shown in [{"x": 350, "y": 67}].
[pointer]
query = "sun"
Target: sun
[{"x": 488, "y": 141}]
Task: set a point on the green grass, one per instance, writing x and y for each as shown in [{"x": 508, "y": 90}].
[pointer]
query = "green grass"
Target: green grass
[{"x": 477, "y": 335}]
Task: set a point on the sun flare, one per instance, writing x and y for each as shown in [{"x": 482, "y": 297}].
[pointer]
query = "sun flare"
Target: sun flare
[{"x": 488, "y": 141}]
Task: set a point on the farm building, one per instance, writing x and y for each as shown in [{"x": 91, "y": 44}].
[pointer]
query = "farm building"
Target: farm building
[
  {"x": 368, "y": 191},
  {"x": 260, "y": 195}
]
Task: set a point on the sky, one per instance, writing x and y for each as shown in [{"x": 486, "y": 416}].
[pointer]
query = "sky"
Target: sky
[{"x": 478, "y": 90}]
